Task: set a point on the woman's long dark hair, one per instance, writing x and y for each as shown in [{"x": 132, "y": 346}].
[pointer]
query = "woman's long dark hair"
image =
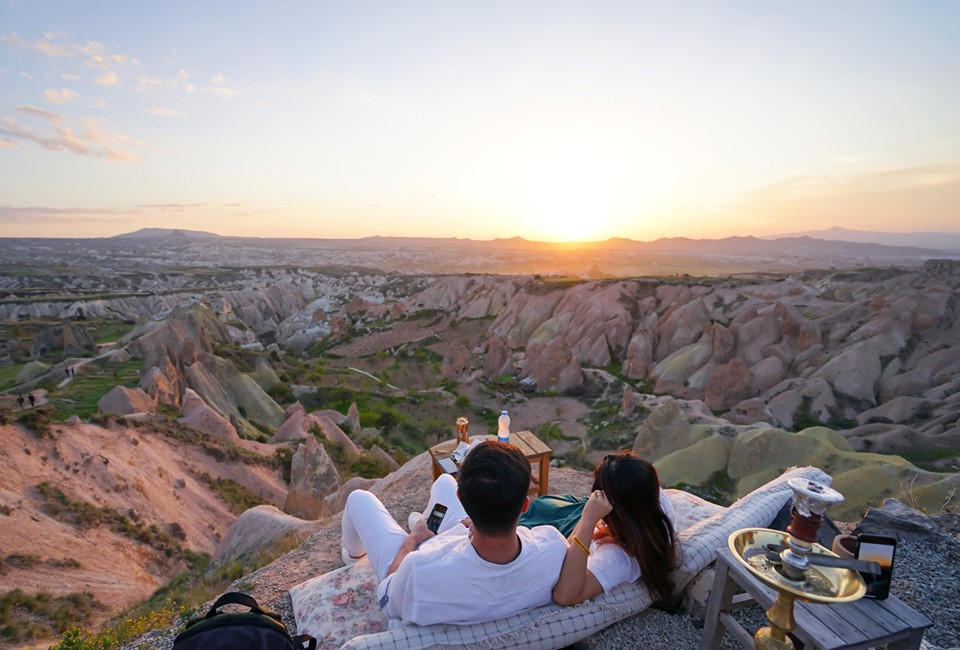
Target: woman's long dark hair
[{"x": 637, "y": 522}]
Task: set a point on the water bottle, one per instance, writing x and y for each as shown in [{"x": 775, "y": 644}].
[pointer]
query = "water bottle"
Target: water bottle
[{"x": 503, "y": 427}]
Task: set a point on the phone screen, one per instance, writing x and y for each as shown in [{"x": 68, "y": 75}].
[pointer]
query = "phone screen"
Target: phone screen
[
  {"x": 880, "y": 550},
  {"x": 436, "y": 516}
]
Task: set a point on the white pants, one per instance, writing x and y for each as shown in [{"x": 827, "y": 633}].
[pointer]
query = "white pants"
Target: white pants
[{"x": 367, "y": 526}]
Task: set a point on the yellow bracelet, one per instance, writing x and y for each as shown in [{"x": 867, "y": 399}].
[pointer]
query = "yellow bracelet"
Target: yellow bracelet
[{"x": 586, "y": 551}]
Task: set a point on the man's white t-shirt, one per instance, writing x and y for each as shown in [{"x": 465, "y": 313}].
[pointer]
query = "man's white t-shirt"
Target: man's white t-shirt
[
  {"x": 613, "y": 566},
  {"x": 445, "y": 581}
]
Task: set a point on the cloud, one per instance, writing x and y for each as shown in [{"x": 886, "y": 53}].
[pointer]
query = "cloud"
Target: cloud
[
  {"x": 93, "y": 142},
  {"x": 190, "y": 88},
  {"x": 42, "y": 214},
  {"x": 148, "y": 83},
  {"x": 71, "y": 77},
  {"x": 45, "y": 46},
  {"x": 166, "y": 112},
  {"x": 218, "y": 79},
  {"x": 107, "y": 79},
  {"x": 6, "y": 144},
  {"x": 922, "y": 195},
  {"x": 61, "y": 96},
  {"x": 55, "y": 46},
  {"x": 223, "y": 91},
  {"x": 39, "y": 112},
  {"x": 172, "y": 207},
  {"x": 26, "y": 75},
  {"x": 802, "y": 186}
]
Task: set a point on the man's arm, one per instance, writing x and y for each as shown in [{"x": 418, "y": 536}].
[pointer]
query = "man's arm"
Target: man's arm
[{"x": 417, "y": 536}]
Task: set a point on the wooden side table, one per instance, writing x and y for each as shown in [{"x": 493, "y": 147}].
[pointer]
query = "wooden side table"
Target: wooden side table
[
  {"x": 849, "y": 626},
  {"x": 535, "y": 450}
]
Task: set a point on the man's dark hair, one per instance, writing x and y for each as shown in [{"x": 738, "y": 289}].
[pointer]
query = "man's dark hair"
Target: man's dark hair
[{"x": 494, "y": 480}]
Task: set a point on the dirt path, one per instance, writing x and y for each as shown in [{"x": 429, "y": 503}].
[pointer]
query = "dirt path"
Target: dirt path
[{"x": 72, "y": 375}]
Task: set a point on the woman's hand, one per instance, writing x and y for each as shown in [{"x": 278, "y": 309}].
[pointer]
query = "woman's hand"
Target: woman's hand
[{"x": 596, "y": 508}]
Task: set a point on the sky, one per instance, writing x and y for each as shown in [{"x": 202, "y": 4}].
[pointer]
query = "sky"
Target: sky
[{"x": 552, "y": 121}]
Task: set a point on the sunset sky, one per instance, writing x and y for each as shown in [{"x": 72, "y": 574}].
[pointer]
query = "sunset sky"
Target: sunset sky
[{"x": 545, "y": 120}]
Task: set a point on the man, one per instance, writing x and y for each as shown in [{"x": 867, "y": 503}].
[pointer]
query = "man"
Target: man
[{"x": 479, "y": 566}]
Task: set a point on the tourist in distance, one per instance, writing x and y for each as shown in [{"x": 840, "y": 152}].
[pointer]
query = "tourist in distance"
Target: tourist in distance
[
  {"x": 624, "y": 531},
  {"x": 479, "y": 566}
]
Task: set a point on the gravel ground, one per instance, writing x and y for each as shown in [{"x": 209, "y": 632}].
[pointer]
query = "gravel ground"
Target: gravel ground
[{"x": 926, "y": 576}]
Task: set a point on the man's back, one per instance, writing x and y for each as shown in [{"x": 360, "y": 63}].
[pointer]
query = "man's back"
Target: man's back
[{"x": 446, "y": 581}]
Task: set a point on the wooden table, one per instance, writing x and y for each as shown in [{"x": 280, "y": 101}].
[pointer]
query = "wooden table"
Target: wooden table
[
  {"x": 849, "y": 626},
  {"x": 534, "y": 449}
]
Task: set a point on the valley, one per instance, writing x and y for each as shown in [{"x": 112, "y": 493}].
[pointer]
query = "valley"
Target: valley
[{"x": 206, "y": 379}]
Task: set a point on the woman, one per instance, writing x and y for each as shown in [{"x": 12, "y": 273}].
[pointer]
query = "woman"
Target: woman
[{"x": 625, "y": 533}]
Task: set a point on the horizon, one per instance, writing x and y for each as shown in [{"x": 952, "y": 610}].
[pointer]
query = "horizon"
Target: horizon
[
  {"x": 145, "y": 230},
  {"x": 553, "y": 123}
]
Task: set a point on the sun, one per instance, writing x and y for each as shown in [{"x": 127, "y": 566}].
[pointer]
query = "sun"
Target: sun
[
  {"x": 569, "y": 215},
  {"x": 562, "y": 188}
]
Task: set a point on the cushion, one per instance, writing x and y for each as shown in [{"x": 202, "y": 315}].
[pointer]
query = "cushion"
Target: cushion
[
  {"x": 340, "y": 609},
  {"x": 339, "y": 605}
]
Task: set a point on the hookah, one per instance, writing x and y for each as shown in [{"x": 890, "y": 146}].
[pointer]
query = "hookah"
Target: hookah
[{"x": 795, "y": 566}]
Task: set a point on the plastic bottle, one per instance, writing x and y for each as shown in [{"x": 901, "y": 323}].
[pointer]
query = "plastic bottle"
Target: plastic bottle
[{"x": 503, "y": 427}]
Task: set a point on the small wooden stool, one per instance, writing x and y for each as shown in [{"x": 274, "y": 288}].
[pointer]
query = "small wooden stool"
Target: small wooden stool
[{"x": 848, "y": 626}]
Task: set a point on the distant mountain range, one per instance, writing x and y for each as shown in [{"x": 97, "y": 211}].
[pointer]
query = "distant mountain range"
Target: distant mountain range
[
  {"x": 166, "y": 234},
  {"x": 834, "y": 241},
  {"x": 937, "y": 240}
]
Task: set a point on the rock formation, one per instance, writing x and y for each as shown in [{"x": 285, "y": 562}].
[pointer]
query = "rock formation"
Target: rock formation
[
  {"x": 312, "y": 477},
  {"x": 125, "y": 401}
]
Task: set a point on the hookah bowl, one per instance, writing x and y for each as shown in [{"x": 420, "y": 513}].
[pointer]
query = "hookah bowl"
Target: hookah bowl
[{"x": 781, "y": 561}]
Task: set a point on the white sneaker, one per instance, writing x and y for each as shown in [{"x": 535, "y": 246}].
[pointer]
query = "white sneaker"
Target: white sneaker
[
  {"x": 348, "y": 560},
  {"x": 413, "y": 519}
]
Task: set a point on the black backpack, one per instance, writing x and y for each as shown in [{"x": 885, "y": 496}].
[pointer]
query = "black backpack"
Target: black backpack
[{"x": 258, "y": 629}]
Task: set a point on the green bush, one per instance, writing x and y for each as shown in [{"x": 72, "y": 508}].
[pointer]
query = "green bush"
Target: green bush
[
  {"x": 281, "y": 393},
  {"x": 37, "y": 420},
  {"x": 238, "y": 498},
  {"x": 24, "y": 617}
]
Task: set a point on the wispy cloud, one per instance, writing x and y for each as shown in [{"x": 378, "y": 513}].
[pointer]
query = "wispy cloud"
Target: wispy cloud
[
  {"x": 107, "y": 79},
  {"x": 71, "y": 77},
  {"x": 223, "y": 91},
  {"x": 44, "y": 46},
  {"x": 810, "y": 186},
  {"x": 218, "y": 87},
  {"x": 172, "y": 207},
  {"x": 61, "y": 96},
  {"x": 94, "y": 142},
  {"x": 39, "y": 112},
  {"x": 165, "y": 112},
  {"x": 40, "y": 214}
]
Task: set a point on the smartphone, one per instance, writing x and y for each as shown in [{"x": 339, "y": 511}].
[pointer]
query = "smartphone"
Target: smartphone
[
  {"x": 447, "y": 465},
  {"x": 436, "y": 516},
  {"x": 880, "y": 549}
]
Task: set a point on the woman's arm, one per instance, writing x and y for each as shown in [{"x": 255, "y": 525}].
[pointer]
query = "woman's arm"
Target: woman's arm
[{"x": 576, "y": 584}]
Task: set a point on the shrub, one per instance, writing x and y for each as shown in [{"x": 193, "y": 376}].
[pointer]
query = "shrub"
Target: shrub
[
  {"x": 237, "y": 497},
  {"x": 281, "y": 393},
  {"x": 24, "y": 617},
  {"x": 37, "y": 420}
]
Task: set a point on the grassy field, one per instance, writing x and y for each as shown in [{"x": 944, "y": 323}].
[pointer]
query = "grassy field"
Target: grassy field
[{"x": 81, "y": 395}]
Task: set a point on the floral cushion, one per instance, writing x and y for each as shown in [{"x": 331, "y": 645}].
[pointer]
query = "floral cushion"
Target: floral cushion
[{"x": 339, "y": 605}]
